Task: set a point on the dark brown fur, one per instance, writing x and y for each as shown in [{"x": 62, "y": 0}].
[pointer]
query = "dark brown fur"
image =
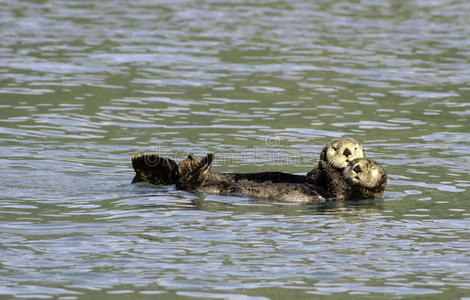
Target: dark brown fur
[
  {"x": 192, "y": 177},
  {"x": 154, "y": 169},
  {"x": 269, "y": 185},
  {"x": 323, "y": 182}
]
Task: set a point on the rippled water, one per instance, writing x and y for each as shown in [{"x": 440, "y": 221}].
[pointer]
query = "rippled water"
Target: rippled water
[{"x": 262, "y": 84}]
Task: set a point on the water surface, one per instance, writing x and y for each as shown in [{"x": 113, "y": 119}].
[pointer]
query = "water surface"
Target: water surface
[{"x": 264, "y": 85}]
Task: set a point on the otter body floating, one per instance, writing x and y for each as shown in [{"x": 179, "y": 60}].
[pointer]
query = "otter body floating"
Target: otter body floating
[
  {"x": 336, "y": 176},
  {"x": 362, "y": 178}
]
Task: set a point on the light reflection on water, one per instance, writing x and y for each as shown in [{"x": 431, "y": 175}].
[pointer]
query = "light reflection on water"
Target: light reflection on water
[{"x": 264, "y": 86}]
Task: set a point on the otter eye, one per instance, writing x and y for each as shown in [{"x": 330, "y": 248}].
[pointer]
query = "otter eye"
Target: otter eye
[{"x": 357, "y": 169}]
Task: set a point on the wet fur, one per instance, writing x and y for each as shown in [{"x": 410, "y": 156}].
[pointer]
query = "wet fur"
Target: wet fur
[
  {"x": 269, "y": 185},
  {"x": 165, "y": 172},
  {"x": 192, "y": 177},
  {"x": 334, "y": 158},
  {"x": 154, "y": 169},
  {"x": 360, "y": 186},
  {"x": 327, "y": 181},
  {"x": 370, "y": 182}
]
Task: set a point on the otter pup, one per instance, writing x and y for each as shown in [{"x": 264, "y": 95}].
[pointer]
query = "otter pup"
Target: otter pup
[
  {"x": 362, "y": 178},
  {"x": 365, "y": 178}
]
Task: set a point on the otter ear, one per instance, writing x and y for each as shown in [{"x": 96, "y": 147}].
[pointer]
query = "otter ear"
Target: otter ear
[
  {"x": 364, "y": 152},
  {"x": 382, "y": 183}
]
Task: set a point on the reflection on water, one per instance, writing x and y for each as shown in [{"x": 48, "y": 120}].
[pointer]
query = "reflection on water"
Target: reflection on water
[{"x": 84, "y": 85}]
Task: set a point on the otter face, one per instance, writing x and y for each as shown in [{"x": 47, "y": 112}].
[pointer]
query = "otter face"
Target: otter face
[
  {"x": 339, "y": 153},
  {"x": 365, "y": 173}
]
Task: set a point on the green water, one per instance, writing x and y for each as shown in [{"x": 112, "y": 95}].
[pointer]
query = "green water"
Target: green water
[{"x": 262, "y": 84}]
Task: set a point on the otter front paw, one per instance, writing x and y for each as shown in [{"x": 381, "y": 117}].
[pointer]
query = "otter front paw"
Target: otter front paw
[{"x": 335, "y": 185}]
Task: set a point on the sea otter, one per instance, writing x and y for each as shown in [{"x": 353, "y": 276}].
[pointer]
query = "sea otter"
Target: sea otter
[
  {"x": 365, "y": 178},
  {"x": 155, "y": 169},
  {"x": 362, "y": 178},
  {"x": 336, "y": 154}
]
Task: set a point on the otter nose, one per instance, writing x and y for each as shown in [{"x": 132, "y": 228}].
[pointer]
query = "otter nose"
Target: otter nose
[
  {"x": 346, "y": 152},
  {"x": 357, "y": 169}
]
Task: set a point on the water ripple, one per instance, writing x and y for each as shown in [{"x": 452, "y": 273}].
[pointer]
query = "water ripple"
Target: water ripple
[{"x": 84, "y": 85}]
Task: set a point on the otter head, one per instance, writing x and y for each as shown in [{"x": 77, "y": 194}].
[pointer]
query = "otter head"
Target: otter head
[
  {"x": 340, "y": 152},
  {"x": 366, "y": 174}
]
